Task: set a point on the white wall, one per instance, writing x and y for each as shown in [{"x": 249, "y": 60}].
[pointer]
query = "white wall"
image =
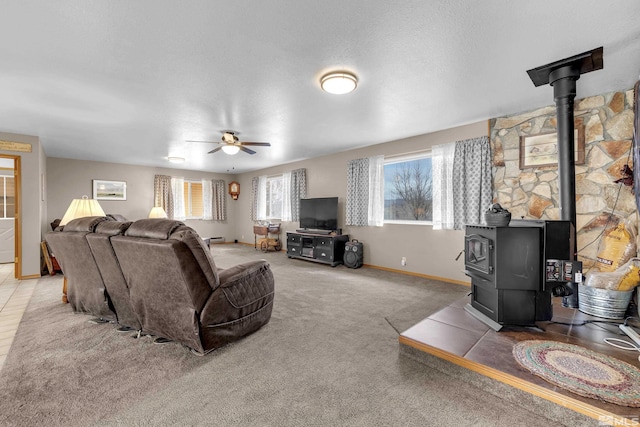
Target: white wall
[
  {"x": 429, "y": 252},
  {"x": 69, "y": 179}
]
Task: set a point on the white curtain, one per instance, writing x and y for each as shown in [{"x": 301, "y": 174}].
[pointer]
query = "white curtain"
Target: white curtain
[
  {"x": 261, "y": 213},
  {"x": 442, "y": 172},
  {"x": 177, "y": 188},
  {"x": 207, "y": 196},
  {"x": 286, "y": 196},
  {"x": 376, "y": 191}
]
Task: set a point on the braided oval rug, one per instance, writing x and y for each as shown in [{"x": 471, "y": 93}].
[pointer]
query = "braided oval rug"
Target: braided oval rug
[{"x": 581, "y": 371}]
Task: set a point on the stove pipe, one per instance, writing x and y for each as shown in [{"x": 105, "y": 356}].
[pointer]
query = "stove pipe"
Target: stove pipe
[{"x": 562, "y": 76}]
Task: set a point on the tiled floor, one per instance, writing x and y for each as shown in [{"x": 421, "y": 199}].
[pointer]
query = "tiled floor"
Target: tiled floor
[
  {"x": 455, "y": 335},
  {"x": 14, "y": 297}
]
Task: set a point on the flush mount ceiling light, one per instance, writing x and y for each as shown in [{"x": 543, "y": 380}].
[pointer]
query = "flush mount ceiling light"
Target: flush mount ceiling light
[
  {"x": 176, "y": 159},
  {"x": 230, "y": 149},
  {"x": 339, "y": 82}
]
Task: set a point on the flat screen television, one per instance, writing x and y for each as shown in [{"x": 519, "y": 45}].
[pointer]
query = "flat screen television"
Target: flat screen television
[{"x": 319, "y": 213}]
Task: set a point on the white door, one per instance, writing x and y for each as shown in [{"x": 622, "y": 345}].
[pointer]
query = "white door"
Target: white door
[{"x": 7, "y": 241}]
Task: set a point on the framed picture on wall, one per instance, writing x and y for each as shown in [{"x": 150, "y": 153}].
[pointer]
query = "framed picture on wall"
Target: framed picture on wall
[
  {"x": 109, "y": 190},
  {"x": 542, "y": 149}
]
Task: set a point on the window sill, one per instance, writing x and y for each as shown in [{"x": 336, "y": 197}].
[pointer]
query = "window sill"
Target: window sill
[{"x": 406, "y": 222}]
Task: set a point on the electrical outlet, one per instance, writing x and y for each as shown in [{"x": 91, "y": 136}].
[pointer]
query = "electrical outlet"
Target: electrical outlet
[
  {"x": 403, "y": 261},
  {"x": 243, "y": 237}
]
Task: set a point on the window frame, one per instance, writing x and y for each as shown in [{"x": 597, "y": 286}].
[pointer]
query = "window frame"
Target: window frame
[
  {"x": 401, "y": 158},
  {"x": 268, "y": 203}
]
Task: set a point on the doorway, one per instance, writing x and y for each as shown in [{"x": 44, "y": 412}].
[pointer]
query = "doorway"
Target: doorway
[{"x": 10, "y": 246}]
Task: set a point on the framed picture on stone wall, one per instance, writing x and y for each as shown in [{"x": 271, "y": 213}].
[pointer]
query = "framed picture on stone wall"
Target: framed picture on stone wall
[{"x": 542, "y": 149}]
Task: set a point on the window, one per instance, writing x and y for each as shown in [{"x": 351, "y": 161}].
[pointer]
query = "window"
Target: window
[
  {"x": 7, "y": 197},
  {"x": 275, "y": 193},
  {"x": 407, "y": 189},
  {"x": 193, "y": 206}
]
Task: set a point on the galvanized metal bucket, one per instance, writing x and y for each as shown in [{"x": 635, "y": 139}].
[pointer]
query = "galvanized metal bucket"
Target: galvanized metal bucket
[{"x": 603, "y": 302}]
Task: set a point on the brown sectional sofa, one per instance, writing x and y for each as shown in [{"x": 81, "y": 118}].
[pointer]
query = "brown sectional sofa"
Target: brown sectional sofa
[{"x": 158, "y": 276}]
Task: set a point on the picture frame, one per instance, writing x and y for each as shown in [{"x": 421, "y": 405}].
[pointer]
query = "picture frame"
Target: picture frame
[
  {"x": 542, "y": 149},
  {"x": 109, "y": 190}
]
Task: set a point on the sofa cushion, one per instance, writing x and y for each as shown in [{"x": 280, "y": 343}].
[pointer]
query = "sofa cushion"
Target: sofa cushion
[
  {"x": 118, "y": 217},
  {"x": 112, "y": 228},
  {"x": 86, "y": 224},
  {"x": 153, "y": 228}
]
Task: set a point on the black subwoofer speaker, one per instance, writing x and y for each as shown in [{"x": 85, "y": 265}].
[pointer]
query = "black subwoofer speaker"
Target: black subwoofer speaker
[{"x": 353, "y": 254}]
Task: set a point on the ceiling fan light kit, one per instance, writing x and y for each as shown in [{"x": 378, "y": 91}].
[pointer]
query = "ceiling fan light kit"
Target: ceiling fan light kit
[
  {"x": 339, "y": 83},
  {"x": 230, "y": 149}
]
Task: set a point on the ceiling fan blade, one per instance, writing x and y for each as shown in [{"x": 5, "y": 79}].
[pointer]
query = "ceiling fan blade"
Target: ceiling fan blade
[
  {"x": 246, "y": 150},
  {"x": 207, "y": 142},
  {"x": 263, "y": 144},
  {"x": 214, "y": 150}
]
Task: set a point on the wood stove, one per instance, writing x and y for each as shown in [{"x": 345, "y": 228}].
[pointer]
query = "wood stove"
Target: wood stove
[{"x": 507, "y": 267}]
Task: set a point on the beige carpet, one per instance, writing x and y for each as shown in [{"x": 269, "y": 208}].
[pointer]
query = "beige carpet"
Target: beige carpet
[{"x": 329, "y": 357}]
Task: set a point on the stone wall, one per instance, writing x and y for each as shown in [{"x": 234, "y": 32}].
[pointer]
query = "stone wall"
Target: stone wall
[{"x": 532, "y": 193}]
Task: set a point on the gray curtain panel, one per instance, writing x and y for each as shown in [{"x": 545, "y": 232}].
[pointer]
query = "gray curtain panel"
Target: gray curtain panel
[
  {"x": 163, "y": 196},
  {"x": 298, "y": 191},
  {"x": 472, "y": 191},
  {"x": 218, "y": 200},
  {"x": 357, "y": 206},
  {"x": 253, "y": 211}
]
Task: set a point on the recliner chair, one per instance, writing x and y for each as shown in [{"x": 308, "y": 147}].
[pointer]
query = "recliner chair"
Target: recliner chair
[
  {"x": 85, "y": 288},
  {"x": 177, "y": 292},
  {"x": 109, "y": 267}
]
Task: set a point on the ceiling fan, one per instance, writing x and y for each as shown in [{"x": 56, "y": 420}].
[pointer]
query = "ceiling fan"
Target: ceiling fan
[{"x": 231, "y": 145}]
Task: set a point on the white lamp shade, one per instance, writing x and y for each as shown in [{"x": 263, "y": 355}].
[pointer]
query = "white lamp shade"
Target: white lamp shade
[
  {"x": 157, "y": 212},
  {"x": 80, "y": 208},
  {"x": 230, "y": 149}
]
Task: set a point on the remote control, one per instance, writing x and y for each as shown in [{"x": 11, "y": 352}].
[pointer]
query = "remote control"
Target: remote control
[{"x": 631, "y": 333}]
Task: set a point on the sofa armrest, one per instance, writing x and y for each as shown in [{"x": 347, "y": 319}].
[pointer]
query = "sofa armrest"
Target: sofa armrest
[{"x": 244, "y": 271}]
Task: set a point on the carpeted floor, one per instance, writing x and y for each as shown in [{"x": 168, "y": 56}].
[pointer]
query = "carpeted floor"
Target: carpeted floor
[{"x": 329, "y": 357}]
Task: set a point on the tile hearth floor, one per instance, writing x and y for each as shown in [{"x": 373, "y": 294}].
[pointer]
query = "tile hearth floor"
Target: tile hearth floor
[
  {"x": 14, "y": 297},
  {"x": 455, "y": 335}
]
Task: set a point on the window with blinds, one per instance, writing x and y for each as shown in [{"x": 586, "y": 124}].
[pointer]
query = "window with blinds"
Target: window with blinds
[{"x": 193, "y": 204}]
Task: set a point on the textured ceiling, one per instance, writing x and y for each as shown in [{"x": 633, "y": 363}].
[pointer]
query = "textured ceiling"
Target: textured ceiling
[{"x": 131, "y": 82}]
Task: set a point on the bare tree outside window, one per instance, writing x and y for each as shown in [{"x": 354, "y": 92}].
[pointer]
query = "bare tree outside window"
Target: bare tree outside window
[
  {"x": 274, "y": 197},
  {"x": 408, "y": 194}
]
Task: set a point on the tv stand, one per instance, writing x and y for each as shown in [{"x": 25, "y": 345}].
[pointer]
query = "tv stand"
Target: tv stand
[
  {"x": 322, "y": 248},
  {"x": 310, "y": 231}
]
